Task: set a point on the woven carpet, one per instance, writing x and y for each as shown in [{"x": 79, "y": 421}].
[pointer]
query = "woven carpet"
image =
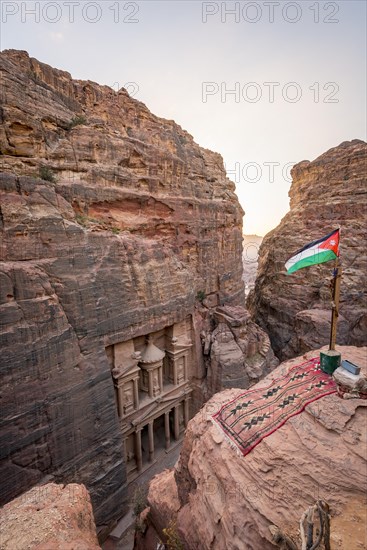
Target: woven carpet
[{"x": 256, "y": 414}]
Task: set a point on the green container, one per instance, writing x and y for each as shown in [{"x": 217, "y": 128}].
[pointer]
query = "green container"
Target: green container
[{"x": 330, "y": 360}]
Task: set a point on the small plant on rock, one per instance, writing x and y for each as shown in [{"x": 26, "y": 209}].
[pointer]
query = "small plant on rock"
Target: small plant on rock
[
  {"x": 82, "y": 219},
  {"x": 173, "y": 541},
  {"x": 139, "y": 501},
  {"x": 77, "y": 121},
  {"x": 200, "y": 296},
  {"x": 45, "y": 173}
]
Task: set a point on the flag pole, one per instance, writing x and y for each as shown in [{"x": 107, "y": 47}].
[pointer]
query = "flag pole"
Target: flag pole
[
  {"x": 337, "y": 273},
  {"x": 335, "y": 305}
]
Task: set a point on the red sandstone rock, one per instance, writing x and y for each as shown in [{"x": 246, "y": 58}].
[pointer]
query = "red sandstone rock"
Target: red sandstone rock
[
  {"x": 240, "y": 352},
  {"x": 140, "y": 225},
  {"x": 49, "y": 517},
  {"x": 229, "y": 501},
  {"x": 294, "y": 309}
]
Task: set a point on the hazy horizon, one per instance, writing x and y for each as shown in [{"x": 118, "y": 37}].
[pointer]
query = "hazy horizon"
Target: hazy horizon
[{"x": 265, "y": 84}]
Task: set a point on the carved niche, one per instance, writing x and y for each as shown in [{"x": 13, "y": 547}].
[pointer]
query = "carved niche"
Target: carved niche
[
  {"x": 178, "y": 350},
  {"x": 126, "y": 377},
  {"x": 151, "y": 364}
]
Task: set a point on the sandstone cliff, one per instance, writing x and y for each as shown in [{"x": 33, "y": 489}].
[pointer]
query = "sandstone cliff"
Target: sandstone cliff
[
  {"x": 49, "y": 517},
  {"x": 132, "y": 228},
  {"x": 216, "y": 498},
  {"x": 296, "y": 309}
]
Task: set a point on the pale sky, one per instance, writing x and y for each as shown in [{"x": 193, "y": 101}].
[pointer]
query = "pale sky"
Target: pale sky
[{"x": 297, "y": 72}]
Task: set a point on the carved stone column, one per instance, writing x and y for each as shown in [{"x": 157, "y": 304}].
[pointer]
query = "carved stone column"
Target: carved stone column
[
  {"x": 176, "y": 422},
  {"x": 151, "y": 441},
  {"x": 186, "y": 376},
  {"x": 136, "y": 394},
  {"x": 150, "y": 383},
  {"x": 167, "y": 430},
  {"x": 161, "y": 378},
  {"x": 186, "y": 411},
  {"x": 138, "y": 451},
  {"x": 174, "y": 373},
  {"x": 120, "y": 400}
]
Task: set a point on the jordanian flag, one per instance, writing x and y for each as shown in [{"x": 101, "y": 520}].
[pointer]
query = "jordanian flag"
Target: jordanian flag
[{"x": 317, "y": 252}]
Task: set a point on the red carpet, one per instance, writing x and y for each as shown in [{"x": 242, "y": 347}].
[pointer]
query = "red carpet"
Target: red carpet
[{"x": 255, "y": 414}]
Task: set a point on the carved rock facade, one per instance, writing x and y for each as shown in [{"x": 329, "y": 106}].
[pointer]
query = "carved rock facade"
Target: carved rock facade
[{"x": 152, "y": 392}]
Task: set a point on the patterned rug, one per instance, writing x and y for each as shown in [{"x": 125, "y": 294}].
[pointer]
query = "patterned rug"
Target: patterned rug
[{"x": 255, "y": 414}]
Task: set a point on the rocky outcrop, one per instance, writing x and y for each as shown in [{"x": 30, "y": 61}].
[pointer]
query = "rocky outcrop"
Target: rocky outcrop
[
  {"x": 49, "y": 517},
  {"x": 131, "y": 228},
  {"x": 295, "y": 309},
  {"x": 216, "y": 498},
  {"x": 237, "y": 352}
]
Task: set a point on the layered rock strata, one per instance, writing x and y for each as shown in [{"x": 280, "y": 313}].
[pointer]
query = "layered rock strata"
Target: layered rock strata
[
  {"x": 49, "y": 517},
  {"x": 295, "y": 309},
  {"x": 216, "y": 498},
  {"x": 131, "y": 230}
]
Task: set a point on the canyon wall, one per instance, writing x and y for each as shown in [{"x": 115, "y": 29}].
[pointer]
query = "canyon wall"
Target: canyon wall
[
  {"x": 295, "y": 309},
  {"x": 215, "y": 498},
  {"x": 131, "y": 228}
]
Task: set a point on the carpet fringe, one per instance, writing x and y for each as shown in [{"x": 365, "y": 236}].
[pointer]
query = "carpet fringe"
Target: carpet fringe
[{"x": 228, "y": 440}]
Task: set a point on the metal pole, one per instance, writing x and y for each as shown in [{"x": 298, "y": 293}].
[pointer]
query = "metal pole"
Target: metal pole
[{"x": 335, "y": 310}]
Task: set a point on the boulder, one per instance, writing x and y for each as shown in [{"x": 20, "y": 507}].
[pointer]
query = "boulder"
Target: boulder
[
  {"x": 49, "y": 517},
  {"x": 218, "y": 498}
]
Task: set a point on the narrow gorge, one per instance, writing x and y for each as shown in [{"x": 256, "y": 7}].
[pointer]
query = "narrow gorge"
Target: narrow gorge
[{"x": 122, "y": 299}]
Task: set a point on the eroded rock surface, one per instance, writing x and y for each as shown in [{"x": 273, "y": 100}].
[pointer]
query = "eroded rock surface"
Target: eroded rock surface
[
  {"x": 132, "y": 229},
  {"x": 295, "y": 309},
  {"x": 240, "y": 353},
  {"x": 49, "y": 517},
  {"x": 216, "y": 498}
]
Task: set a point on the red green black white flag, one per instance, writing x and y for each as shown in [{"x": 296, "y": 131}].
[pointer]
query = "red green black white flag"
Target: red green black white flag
[{"x": 317, "y": 252}]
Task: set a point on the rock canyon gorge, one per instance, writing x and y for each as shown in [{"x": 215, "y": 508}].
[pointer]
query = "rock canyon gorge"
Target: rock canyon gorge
[{"x": 124, "y": 319}]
